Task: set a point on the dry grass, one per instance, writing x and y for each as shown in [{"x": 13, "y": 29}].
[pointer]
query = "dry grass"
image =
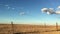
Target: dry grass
[{"x": 30, "y": 29}]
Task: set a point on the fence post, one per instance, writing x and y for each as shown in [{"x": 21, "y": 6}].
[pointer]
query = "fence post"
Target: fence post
[
  {"x": 45, "y": 26},
  {"x": 56, "y": 26},
  {"x": 12, "y": 27}
]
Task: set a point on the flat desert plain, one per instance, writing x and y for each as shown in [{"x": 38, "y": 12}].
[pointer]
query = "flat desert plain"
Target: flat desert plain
[{"x": 28, "y": 29}]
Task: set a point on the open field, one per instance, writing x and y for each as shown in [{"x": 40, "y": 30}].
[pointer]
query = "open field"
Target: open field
[{"x": 28, "y": 29}]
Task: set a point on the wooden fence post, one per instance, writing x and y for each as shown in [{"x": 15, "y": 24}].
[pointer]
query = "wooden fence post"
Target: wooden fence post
[
  {"x": 45, "y": 26},
  {"x": 12, "y": 27},
  {"x": 56, "y": 26}
]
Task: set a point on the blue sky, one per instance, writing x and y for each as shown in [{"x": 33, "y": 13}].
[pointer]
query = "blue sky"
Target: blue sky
[{"x": 28, "y": 11}]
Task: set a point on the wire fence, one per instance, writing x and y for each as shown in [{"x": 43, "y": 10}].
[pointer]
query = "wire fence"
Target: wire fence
[{"x": 10, "y": 29}]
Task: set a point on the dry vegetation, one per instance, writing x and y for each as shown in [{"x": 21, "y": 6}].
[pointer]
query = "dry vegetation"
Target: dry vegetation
[{"x": 28, "y": 29}]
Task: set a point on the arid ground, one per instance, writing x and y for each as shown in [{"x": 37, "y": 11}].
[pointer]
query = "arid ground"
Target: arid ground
[{"x": 28, "y": 29}]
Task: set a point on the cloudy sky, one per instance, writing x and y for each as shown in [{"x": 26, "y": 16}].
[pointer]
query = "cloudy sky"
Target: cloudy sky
[{"x": 28, "y": 11}]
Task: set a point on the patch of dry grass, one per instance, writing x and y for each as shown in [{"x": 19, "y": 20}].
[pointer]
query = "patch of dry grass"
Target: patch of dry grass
[{"x": 30, "y": 29}]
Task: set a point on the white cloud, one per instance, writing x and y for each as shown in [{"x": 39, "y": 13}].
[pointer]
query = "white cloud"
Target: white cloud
[
  {"x": 58, "y": 12},
  {"x": 10, "y": 8},
  {"x": 44, "y": 10},
  {"x": 48, "y": 10},
  {"x": 58, "y": 6},
  {"x": 22, "y": 13},
  {"x": 6, "y": 5},
  {"x": 13, "y": 8},
  {"x": 48, "y": 13},
  {"x": 51, "y": 10}
]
